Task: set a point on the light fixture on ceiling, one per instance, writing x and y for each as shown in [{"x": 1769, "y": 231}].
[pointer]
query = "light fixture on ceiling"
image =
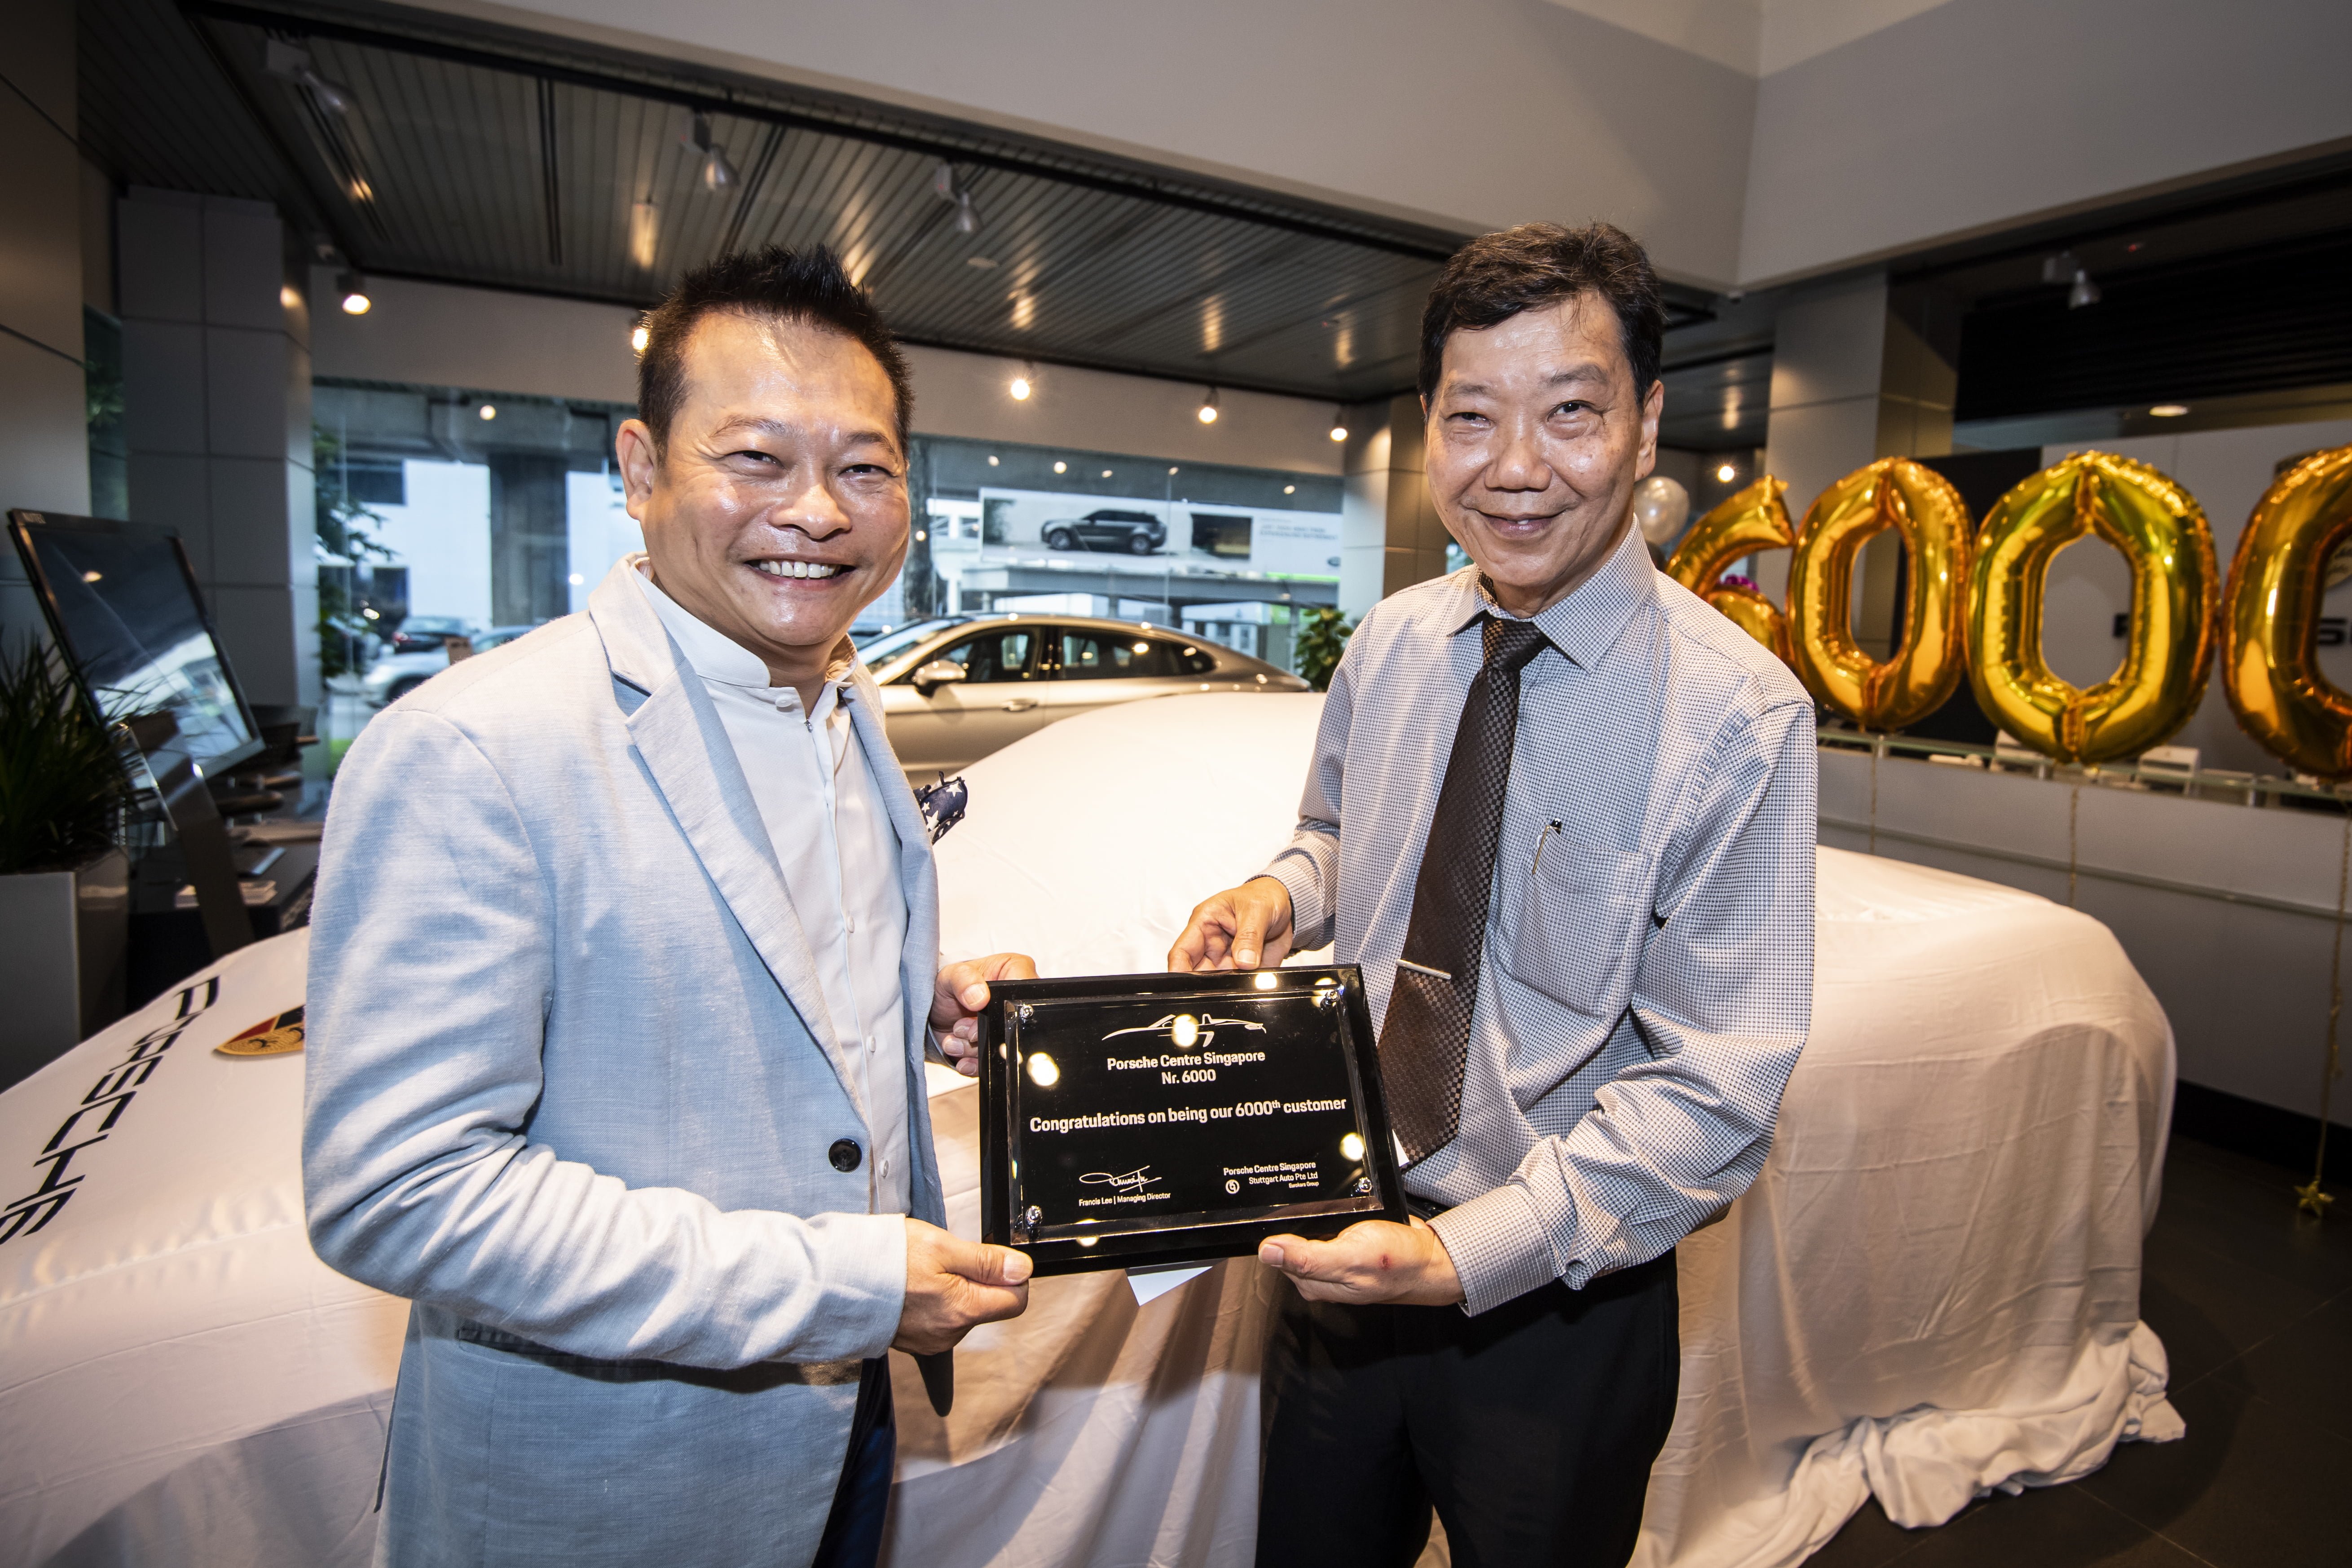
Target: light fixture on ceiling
[
  {"x": 2083, "y": 292},
  {"x": 947, "y": 188},
  {"x": 2061, "y": 267},
  {"x": 1061, "y": 468},
  {"x": 644, "y": 234},
  {"x": 985, "y": 263},
  {"x": 1208, "y": 410},
  {"x": 718, "y": 174},
  {"x": 1339, "y": 424},
  {"x": 2169, "y": 410},
  {"x": 489, "y": 410},
  {"x": 1291, "y": 489},
  {"x": 639, "y": 336},
  {"x": 1023, "y": 385},
  {"x": 1725, "y": 473},
  {"x": 992, "y": 459},
  {"x": 1105, "y": 473},
  {"x": 354, "y": 292},
  {"x": 291, "y": 62}
]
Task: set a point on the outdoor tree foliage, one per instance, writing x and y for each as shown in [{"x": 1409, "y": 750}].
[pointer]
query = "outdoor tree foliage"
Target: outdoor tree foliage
[
  {"x": 1321, "y": 640},
  {"x": 338, "y": 525}
]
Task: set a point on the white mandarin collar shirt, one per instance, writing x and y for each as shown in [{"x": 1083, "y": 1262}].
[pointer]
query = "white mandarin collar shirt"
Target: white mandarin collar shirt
[{"x": 832, "y": 839}]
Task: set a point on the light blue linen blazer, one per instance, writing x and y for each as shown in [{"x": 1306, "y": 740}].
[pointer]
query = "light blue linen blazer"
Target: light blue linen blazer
[{"x": 572, "y": 1083}]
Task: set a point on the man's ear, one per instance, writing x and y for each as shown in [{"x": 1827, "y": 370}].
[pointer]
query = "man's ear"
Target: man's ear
[{"x": 634, "y": 449}]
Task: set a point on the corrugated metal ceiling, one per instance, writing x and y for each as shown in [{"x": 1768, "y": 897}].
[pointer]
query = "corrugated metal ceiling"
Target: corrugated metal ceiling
[{"x": 490, "y": 159}]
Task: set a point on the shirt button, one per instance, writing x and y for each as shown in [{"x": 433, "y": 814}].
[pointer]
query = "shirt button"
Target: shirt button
[
  {"x": 845, "y": 1154},
  {"x": 885, "y": 1167}
]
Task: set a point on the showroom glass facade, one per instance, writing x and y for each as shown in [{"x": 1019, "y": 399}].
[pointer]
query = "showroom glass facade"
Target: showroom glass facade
[{"x": 450, "y": 511}]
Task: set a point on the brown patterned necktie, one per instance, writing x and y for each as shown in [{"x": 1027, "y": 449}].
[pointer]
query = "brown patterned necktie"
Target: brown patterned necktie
[{"x": 1425, "y": 1040}]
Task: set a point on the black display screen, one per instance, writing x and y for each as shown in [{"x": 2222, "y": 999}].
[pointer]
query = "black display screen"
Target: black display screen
[{"x": 123, "y": 602}]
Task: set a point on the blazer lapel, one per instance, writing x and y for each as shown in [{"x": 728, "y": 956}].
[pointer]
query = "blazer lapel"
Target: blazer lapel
[{"x": 678, "y": 737}]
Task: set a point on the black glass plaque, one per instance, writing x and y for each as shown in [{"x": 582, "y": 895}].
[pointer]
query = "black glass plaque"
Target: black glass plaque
[{"x": 1134, "y": 1120}]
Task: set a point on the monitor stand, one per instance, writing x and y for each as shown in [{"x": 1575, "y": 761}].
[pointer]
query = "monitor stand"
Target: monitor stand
[{"x": 204, "y": 845}]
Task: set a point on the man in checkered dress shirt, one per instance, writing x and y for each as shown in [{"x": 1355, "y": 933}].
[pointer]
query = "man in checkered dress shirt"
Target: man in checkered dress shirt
[{"x": 1646, "y": 981}]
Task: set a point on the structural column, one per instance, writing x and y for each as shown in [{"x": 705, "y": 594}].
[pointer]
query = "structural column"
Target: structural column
[
  {"x": 216, "y": 391},
  {"x": 1389, "y": 536},
  {"x": 44, "y": 445},
  {"x": 1860, "y": 372}
]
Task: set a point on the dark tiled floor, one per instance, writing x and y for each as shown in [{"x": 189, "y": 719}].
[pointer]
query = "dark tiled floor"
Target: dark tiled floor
[{"x": 2254, "y": 1305}]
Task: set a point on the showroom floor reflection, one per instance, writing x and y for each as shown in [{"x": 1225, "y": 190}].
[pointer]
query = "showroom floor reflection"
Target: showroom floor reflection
[{"x": 2254, "y": 1305}]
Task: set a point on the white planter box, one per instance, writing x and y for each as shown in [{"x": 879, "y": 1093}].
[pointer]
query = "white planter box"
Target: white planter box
[{"x": 62, "y": 935}]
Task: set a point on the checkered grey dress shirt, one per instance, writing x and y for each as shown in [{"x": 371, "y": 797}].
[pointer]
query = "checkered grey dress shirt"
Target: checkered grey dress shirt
[{"x": 1648, "y": 976}]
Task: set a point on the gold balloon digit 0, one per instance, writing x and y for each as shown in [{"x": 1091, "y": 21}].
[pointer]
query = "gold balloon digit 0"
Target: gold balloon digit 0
[
  {"x": 1924, "y": 508},
  {"x": 2161, "y": 533},
  {"x": 1755, "y": 519},
  {"x": 2270, "y": 631}
]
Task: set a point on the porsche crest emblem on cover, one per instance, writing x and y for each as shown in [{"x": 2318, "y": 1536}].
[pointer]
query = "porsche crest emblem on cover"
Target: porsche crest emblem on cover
[{"x": 270, "y": 1038}]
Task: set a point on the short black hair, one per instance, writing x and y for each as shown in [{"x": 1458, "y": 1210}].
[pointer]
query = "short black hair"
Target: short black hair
[
  {"x": 808, "y": 286},
  {"x": 1499, "y": 275}
]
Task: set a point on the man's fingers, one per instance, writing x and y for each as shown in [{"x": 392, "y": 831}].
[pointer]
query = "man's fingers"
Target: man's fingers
[{"x": 978, "y": 1262}]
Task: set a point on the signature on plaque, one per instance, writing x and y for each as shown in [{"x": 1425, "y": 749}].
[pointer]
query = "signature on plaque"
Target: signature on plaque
[{"x": 1126, "y": 1182}]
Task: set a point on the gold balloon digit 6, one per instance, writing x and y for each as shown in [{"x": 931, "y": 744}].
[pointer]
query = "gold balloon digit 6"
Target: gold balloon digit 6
[
  {"x": 1754, "y": 519},
  {"x": 1922, "y": 506},
  {"x": 2161, "y": 531},
  {"x": 2271, "y": 629}
]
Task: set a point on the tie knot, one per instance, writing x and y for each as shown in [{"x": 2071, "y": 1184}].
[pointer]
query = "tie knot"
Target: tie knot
[{"x": 1512, "y": 644}]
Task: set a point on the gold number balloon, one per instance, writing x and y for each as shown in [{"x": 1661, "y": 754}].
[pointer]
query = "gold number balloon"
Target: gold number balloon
[
  {"x": 2161, "y": 531},
  {"x": 1753, "y": 520},
  {"x": 1922, "y": 506},
  {"x": 2270, "y": 627}
]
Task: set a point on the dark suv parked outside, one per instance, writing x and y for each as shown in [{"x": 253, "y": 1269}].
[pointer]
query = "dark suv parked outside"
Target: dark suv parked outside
[{"x": 1107, "y": 528}]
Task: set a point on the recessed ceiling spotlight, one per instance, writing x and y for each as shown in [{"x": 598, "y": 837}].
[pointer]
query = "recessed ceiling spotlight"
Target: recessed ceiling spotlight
[
  {"x": 639, "y": 336},
  {"x": 1060, "y": 467},
  {"x": 1171, "y": 470},
  {"x": 1208, "y": 409},
  {"x": 992, "y": 459},
  {"x": 1339, "y": 424},
  {"x": 489, "y": 410},
  {"x": 1727, "y": 473},
  {"x": 1022, "y": 385},
  {"x": 1291, "y": 489},
  {"x": 2169, "y": 410},
  {"x": 354, "y": 292},
  {"x": 1105, "y": 473}
]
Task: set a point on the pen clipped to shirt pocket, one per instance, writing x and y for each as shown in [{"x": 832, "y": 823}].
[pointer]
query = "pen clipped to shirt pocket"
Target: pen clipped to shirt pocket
[{"x": 1583, "y": 913}]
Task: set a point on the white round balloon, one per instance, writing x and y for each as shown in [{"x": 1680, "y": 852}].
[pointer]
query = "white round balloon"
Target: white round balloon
[{"x": 1661, "y": 508}]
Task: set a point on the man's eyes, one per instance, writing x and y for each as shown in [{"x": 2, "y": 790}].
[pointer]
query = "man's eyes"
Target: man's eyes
[{"x": 1574, "y": 406}]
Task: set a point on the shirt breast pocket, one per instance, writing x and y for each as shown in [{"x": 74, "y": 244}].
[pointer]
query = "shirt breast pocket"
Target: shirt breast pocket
[{"x": 1582, "y": 915}]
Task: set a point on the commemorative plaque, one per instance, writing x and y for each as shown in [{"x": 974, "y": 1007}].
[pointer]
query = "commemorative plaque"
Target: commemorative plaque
[{"x": 1140, "y": 1120}]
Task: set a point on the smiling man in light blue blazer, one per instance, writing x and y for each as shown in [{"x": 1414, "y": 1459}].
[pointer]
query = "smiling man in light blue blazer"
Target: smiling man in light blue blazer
[{"x": 621, "y": 967}]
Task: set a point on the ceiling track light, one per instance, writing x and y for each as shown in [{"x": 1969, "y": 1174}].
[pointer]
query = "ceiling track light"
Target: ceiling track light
[
  {"x": 639, "y": 336},
  {"x": 353, "y": 290},
  {"x": 718, "y": 174},
  {"x": 2061, "y": 267},
  {"x": 1208, "y": 409},
  {"x": 291, "y": 62},
  {"x": 2083, "y": 291},
  {"x": 1339, "y": 424},
  {"x": 949, "y": 189},
  {"x": 1023, "y": 384}
]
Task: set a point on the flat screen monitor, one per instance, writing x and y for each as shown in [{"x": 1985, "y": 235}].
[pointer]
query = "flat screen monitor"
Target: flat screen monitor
[{"x": 122, "y": 600}]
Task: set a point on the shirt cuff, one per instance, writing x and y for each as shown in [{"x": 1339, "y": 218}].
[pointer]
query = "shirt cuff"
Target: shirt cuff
[
  {"x": 1498, "y": 1247},
  {"x": 1297, "y": 871}
]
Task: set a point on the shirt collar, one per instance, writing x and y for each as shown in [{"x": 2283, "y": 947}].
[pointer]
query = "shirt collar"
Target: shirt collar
[
  {"x": 717, "y": 657},
  {"x": 1590, "y": 618}
]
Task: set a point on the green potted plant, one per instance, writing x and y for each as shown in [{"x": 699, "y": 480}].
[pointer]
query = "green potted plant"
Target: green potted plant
[{"x": 65, "y": 887}]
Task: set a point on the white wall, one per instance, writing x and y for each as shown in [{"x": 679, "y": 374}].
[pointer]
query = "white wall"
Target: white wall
[
  {"x": 432, "y": 334},
  {"x": 1977, "y": 114},
  {"x": 1471, "y": 115}
]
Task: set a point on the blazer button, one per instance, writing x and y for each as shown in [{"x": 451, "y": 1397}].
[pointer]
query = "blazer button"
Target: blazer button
[{"x": 845, "y": 1154}]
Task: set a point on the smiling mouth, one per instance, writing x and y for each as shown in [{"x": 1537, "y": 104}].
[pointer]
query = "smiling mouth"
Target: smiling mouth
[{"x": 798, "y": 568}]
